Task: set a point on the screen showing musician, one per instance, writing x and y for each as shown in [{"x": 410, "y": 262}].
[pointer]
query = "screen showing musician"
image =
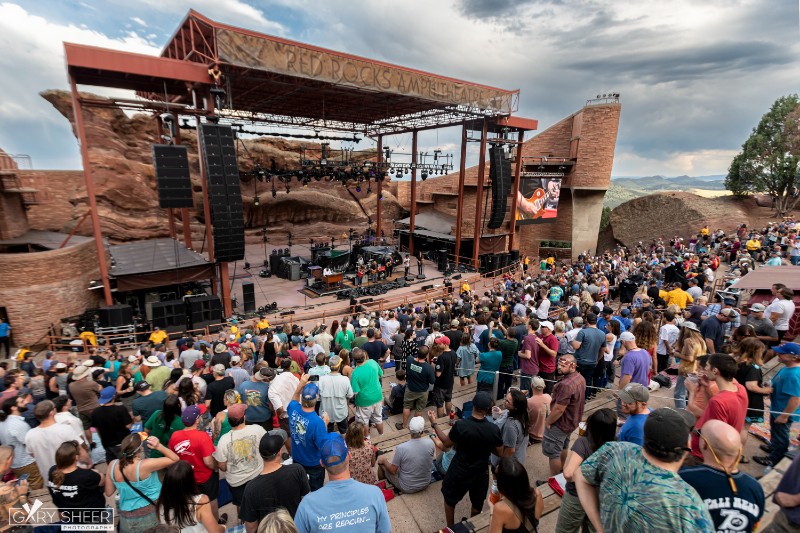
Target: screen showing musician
[{"x": 537, "y": 199}]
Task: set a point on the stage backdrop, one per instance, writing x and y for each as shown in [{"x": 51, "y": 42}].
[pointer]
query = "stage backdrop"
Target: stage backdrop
[{"x": 537, "y": 200}]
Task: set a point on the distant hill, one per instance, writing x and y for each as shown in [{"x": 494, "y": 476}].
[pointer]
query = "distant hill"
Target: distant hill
[{"x": 627, "y": 188}]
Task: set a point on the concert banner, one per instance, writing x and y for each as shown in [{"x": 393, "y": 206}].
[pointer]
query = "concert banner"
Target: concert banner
[{"x": 537, "y": 199}]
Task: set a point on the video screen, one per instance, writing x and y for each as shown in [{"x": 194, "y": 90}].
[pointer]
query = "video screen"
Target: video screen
[{"x": 537, "y": 199}]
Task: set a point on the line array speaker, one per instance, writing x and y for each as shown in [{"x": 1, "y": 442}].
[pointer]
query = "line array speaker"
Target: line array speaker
[
  {"x": 170, "y": 315},
  {"x": 115, "y": 316},
  {"x": 224, "y": 192},
  {"x": 500, "y": 174},
  {"x": 204, "y": 311},
  {"x": 249, "y": 296},
  {"x": 171, "y": 165}
]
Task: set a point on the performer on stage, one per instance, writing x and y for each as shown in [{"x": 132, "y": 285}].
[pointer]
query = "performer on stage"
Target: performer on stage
[{"x": 406, "y": 264}]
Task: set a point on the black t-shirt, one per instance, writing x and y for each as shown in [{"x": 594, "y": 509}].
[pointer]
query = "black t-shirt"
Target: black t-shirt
[
  {"x": 755, "y": 401},
  {"x": 283, "y": 488},
  {"x": 419, "y": 375},
  {"x": 80, "y": 489},
  {"x": 216, "y": 393},
  {"x": 374, "y": 349},
  {"x": 446, "y": 364},
  {"x": 111, "y": 422},
  {"x": 223, "y": 359},
  {"x": 99, "y": 360},
  {"x": 475, "y": 440},
  {"x": 583, "y": 450},
  {"x": 729, "y": 512},
  {"x": 455, "y": 338}
]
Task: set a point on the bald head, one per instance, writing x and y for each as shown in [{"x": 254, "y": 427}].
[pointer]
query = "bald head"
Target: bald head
[{"x": 725, "y": 440}]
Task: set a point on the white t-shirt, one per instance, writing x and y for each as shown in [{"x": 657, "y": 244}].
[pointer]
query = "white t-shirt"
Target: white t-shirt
[
  {"x": 786, "y": 308},
  {"x": 667, "y": 336},
  {"x": 239, "y": 448},
  {"x": 42, "y": 444},
  {"x": 608, "y": 354},
  {"x": 71, "y": 420}
]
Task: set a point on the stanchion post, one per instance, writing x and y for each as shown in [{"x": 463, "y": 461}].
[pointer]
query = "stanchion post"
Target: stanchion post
[{"x": 495, "y": 385}]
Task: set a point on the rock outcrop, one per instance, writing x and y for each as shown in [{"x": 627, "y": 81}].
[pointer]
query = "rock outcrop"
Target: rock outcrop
[
  {"x": 673, "y": 213},
  {"x": 120, "y": 149}
]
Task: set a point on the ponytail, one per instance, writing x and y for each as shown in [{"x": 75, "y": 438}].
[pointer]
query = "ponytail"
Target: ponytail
[{"x": 66, "y": 456}]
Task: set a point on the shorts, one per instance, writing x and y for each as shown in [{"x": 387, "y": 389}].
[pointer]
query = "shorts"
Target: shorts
[
  {"x": 456, "y": 486},
  {"x": 554, "y": 442},
  {"x": 238, "y": 493},
  {"x": 210, "y": 487},
  {"x": 86, "y": 419},
  {"x": 371, "y": 413},
  {"x": 415, "y": 401},
  {"x": 442, "y": 396}
]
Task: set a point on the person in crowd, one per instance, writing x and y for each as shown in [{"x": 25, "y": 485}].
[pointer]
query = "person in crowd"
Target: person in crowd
[
  {"x": 71, "y": 486},
  {"x": 763, "y": 326},
  {"x": 588, "y": 346},
  {"x": 521, "y": 505},
  {"x": 124, "y": 385},
  {"x": 147, "y": 403},
  {"x": 64, "y": 415},
  {"x": 490, "y": 363},
  {"x": 196, "y": 447},
  {"x": 409, "y": 469},
  {"x": 277, "y": 486},
  {"x": 158, "y": 373},
  {"x": 181, "y": 505},
  {"x": 785, "y": 400},
  {"x": 667, "y": 339},
  {"x": 112, "y": 422},
  {"x": 634, "y": 398},
  {"x": 13, "y": 494},
  {"x": 13, "y": 429},
  {"x": 566, "y": 411},
  {"x": 43, "y": 441},
  {"x": 787, "y": 496},
  {"x": 237, "y": 454},
  {"x": 445, "y": 368},
  {"x": 137, "y": 481},
  {"x": 601, "y": 427},
  {"x": 475, "y": 439},
  {"x": 735, "y": 499},
  {"x": 420, "y": 376},
  {"x": 367, "y": 388},
  {"x": 215, "y": 392},
  {"x": 689, "y": 348},
  {"x": 351, "y": 506},
  {"x": 627, "y": 487},
  {"x": 335, "y": 393},
  {"x": 513, "y": 422},
  {"x": 281, "y": 390},
  {"x": 538, "y": 408},
  {"x": 164, "y": 422},
  {"x": 781, "y": 311},
  {"x": 362, "y": 453},
  {"x": 255, "y": 394},
  {"x": 466, "y": 354},
  {"x": 85, "y": 391},
  {"x": 307, "y": 431},
  {"x": 728, "y": 405},
  {"x": 713, "y": 329},
  {"x": 236, "y": 372}
]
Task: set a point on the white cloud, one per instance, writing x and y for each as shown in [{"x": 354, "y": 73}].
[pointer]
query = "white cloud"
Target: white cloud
[
  {"x": 139, "y": 21},
  {"x": 236, "y": 12}
]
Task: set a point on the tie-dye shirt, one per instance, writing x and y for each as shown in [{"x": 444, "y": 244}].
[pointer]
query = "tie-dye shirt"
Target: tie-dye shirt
[{"x": 636, "y": 495}]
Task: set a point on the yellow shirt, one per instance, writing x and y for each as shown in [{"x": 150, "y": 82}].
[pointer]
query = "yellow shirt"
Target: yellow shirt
[
  {"x": 89, "y": 336},
  {"x": 704, "y": 231},
  {"x": 465, "y": 287},
  {"x": 753, "y": 245},
  {"x": 158, "y": 337},
  {"x": 235, "y": 331},
  {"x": 679, "y": 297},
  {"x": 262, "y": 324},
  {"x": 551, "y": 260}
]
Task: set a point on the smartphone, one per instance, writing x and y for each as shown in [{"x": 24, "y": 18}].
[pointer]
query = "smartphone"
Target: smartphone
[
  {"x": 315, "y": 377},
  {"x": 23, "y": 477}
]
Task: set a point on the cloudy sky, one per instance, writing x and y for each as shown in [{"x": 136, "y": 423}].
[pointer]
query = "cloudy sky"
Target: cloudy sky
[{"x": 695, "y": 76}]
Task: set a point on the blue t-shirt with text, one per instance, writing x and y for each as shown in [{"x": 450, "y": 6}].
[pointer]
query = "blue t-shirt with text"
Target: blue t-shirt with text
[{"x": 308, "y": 432}]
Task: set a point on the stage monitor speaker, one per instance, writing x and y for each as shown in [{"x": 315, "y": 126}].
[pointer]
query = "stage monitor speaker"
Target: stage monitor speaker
[
  {"x": 427, "y": 287},
  {"x": 115, "y": 316},
  {"x": 294, "y": 271},
  {"x": 170, "y": 315},
  {"x": 171, "y": 165},
  {"x": 249, "y": 297},
  {"x": 500, "y": 174},
  {"x": 222, "y": 173},
  {"x": 442, "y": 261}
]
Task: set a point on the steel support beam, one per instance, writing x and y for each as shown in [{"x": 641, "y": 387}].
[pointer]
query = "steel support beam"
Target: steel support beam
[
  {"x": 413, "y": 192},
  {"x": 462, "y": 169},
  {"x": 476, "y": 243},
  {"x": 379, "y": 201}
]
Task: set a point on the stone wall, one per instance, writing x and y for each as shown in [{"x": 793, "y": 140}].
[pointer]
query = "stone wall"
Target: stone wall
[
  {"x": 40, "y": 288},
  {"x": 12, "y": 216}
]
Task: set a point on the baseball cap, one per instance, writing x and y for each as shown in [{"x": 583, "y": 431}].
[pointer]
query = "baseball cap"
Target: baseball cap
[
  {"x": 219, "y": 369},
  {"x": 625, "y": 312},
  {"x": 757, "y": 308},
  {"x": 296, "y": 339},
  {"x": 634, "y": 392},
  {"x": 248, "y": 336},
  {"x": 192, "y": 413},
  {"x": 271, "y": 443},
  {"x": 310, "y": 392},
  {"x": 482, "y": 400},
  {"x": 667, "y": 429},
  {"x": 537, "y": 383},
  {"x": 309, "y": 339},
  {"x": 107, "y": 395},
  {"x": 454, "y": 323},
  {"x": 235, "y": 359},
  {"x": 689, "y": 325},
  {"x": 416, "y": 424},
  {"x": 199, "y": 364},
  {"x": 442, "y": 340},
  {"x": 363, "y": 322},
  {"x": 142, "y": 386},
  {"x": 236, "y": 411},
  {"x": 607, "y": 311},
  {"x": 334, "y": 362},
  {"x": 627, "y": 336},
  {"x": 546, "y": 324},
  {"x": 727, "y": 312},
  {"x": 790, "y": 348},
  {"x": 61, "y": 366},
  {"x": 333, "y": 450},
  {"x": 232, "y": 337},
  {"x": 132, "y": 358},
  {"x": 266, "y": 373}
]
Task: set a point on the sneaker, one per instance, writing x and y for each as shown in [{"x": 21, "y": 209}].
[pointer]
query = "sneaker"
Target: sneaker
[
  {"x": 398, "y": 425},
  {"x": 766, "y": 448},
  {"x": 763, "y": 460}
]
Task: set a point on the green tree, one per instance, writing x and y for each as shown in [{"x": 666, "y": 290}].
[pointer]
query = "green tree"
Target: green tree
[
  {"x": 768, "y": 162},
  {"x": 605, "y": 217}
]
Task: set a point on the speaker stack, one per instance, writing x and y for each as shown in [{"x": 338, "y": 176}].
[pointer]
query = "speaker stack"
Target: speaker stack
[
  {"x": 442, "y": 261},
  {"x": 222, "y": 173},
  {"x": 500, "y": 174},
  {"x": 204, "y": 311},
  {"x": 170, "y": 315},
  {"x": 249, "y": 297},
  {"x": 115, "y": 316},
  {"x": 171, "y": 165}
]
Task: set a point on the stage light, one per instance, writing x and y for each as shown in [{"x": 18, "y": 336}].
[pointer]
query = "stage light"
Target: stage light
[
  {"x": 399, "y": 174},
  {"x": 424, "y": 175}
]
